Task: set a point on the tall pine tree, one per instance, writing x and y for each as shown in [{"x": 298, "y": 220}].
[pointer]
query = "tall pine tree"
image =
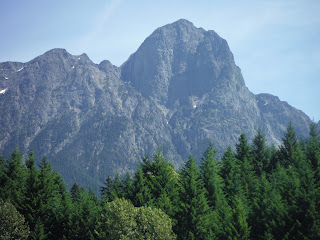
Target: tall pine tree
[
  {"x": 15, "y": 178},
  {"x": 194, "y": 216},
  {"x": 213, "y": 183}
]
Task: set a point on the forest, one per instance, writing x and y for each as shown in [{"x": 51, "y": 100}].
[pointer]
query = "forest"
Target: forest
[{"x": 254, "y": 191}]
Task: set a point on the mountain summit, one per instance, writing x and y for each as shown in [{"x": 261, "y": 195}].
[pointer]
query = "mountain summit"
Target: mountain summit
[
  {"x": 178, "y": 61},
  {"x": 180, "y": 91}
]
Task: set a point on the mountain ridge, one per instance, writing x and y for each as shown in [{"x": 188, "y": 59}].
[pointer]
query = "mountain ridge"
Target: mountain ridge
[{"x": 179, "y": 91}]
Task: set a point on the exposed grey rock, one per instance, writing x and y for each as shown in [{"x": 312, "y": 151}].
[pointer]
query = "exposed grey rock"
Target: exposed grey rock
[
  {"x": 179, "y": 91},
  {"x": 276, "y": 115}
]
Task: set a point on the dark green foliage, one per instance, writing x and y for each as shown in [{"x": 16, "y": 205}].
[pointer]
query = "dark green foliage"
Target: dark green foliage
[
  {"x": 38, "y": 232},
  {"x": 213, "y": 183},
  {"x": 85, "y": 214},
  {"x": 194, "y": 213},
  {"x": 268, "y": 212},
  {"x": 75, "y": 193},
  {"x": 31, "y": 202},
  {"x": 230, "y": 174},
  {"x": 247, "y": 176},
  {"x": 15, "y": 177},
  {"x": 114, "y": 188},
  {"x": 243, "y": 149},
  {"x": 289, "y": 147},
  {"x": 162, "y": 182},
  {"x": 260, "y": 154},
  {"x": 313, "y": 147},
  {"x": 141, "y": 192},
  {"x": 259, "y": 192},
  {"x": 241, "y": 229}
]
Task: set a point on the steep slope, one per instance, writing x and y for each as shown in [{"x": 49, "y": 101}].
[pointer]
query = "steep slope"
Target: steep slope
[
  {"x": 180, "y": 90},
  {"x": 276, "y": 115},
  {"x": 81, "y": 115}
]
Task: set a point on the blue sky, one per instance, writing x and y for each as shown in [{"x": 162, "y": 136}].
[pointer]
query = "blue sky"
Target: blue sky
[{"x": 276, "y": 43}]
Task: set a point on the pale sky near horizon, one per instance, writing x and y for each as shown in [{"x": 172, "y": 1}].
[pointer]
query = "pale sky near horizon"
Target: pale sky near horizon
[{"x": 274, "y": 42}]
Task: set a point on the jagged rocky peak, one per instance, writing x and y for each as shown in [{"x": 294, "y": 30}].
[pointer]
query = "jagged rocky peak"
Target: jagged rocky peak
[
  {"x": 108, "y": 67},
  {"x": 61, "y": 55},
  {"x": 178, "y": 61}
]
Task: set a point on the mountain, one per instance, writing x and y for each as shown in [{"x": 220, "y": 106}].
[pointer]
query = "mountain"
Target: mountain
[
  {"x": 81, "y": 115},
  {"x": 179, "y": 91},
  {"x": 191, "y": 74}
]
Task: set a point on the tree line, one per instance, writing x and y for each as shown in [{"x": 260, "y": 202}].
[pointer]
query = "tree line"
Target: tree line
[{"x": 253, "y": 192}]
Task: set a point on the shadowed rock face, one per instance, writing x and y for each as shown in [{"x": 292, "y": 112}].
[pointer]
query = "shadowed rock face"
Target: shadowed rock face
[{"x": 179, "y": 91}]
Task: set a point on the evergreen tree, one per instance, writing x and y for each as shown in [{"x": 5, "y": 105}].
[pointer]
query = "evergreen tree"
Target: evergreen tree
[
  {"x": 46, "y": 188},
  {"x": 194, "y": 213},
  {"x": 213, "y": 183},
  {"x": 162, "y": 181},
  {"x": 58, "y": 210},
  {"x": 260, "y": 154},
  {"x": 313, "y": 146},
  {"x": 289, "y": 146},
  {"x": 51, "y": 201},
  {"x": 241, "y": 229},
  {"x": 269, "y": 212},
  {"x": 127, "y": 186},
  {"x": 38, "y": 232},
  {"x": 112, "y": 189},
  {"x": 15, "y": 173},
  {"x": 242, "y": 149},
  {"x": 231, "y": 175},
  {"x": 75, "y": 193},
  {"x": 304, "y": 202},
  {"x": 31, "y": 202},
  {"x": 248, "y": 179},
  {"x": 141, "y": 192},
  {"x": 86, "y": 213}
]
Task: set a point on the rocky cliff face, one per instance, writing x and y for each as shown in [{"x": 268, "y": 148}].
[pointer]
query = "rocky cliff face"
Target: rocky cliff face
[
  {"x": 179, "y": 91},
  {"x": 81, "y": 115}
]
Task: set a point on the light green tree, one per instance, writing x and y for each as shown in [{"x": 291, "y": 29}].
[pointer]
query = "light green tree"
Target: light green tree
[
  {"x": 121, "y": 220},
  {"x": 12, "y": 223}
]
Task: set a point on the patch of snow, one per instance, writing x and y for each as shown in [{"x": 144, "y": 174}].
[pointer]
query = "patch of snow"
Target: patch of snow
[
  {"x": 20, "y": 69},
  {"x": 266, "y": 104},
  {"x": 167, "y": 122},
  {"x": 79, "y": 58},
  {"x": 6, "y": 78},
  {"x": 3, "y": 91},
  {"x": 72, "y": 67},
  {"x": 194, "y": 105}
]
